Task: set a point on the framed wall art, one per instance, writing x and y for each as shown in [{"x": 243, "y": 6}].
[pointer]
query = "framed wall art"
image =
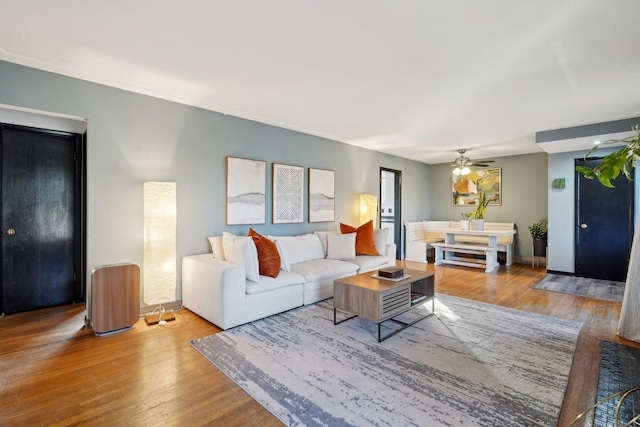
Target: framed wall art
[
  {"x": 465, "y": 188},
  {"x": 288, "y": 193},
  {"x": 246, "y": 191},
  {"x": 321, "y": 195}
]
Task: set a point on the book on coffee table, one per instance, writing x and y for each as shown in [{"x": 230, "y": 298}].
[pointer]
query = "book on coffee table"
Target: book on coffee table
[{"x": 391, "y": 272}]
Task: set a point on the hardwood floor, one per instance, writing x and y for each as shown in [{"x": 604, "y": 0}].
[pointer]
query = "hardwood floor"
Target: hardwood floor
[{"x": 53, "y": 372}]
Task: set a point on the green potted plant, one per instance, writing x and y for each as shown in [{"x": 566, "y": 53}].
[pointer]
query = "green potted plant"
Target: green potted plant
[
  {"x": 478, "y": 214},
  {"x": 464, "y": 222},
  {"x": 622, "y": 161},
  {"x": 538, "y": 231}
]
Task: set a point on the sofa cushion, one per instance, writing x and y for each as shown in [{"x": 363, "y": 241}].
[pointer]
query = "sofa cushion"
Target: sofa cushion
[
  {"x": 322, "y": 235},
  {"x": 241, "y": 250},
  {"x": 296, "y": 249},
  {"x": 369, "y": 262},
  {"x": 283, "y": 265},
  {"x": 321, "y": 269},
  {"x": 216, "y": 247},
  {"x": 268, "y": 256},
  {"x": 434, "y": 236},
  {"x": 266, "y": 283},
  {"x": 341, "y": 246},
  {"x": 380, "y": 236},
  {"x": 415, "y": 231},
  {"x": 365, "y": 241}
]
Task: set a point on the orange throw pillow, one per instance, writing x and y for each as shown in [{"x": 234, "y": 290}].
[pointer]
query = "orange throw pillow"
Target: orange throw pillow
[
  {"x": 268, "y": 256},
  {"x": 365, "y": 242}
]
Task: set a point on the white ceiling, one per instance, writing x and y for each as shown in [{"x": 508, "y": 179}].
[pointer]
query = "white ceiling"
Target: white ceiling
[{"x": 414, "y": 78}]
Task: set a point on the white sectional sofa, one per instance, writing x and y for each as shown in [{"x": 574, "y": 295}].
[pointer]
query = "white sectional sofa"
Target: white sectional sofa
[
  {"x": 229, "y": 293},
  {"x": 420, "y": 235}
]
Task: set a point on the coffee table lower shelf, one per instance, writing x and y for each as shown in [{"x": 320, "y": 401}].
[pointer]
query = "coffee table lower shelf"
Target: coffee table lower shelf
[{"x": 405, "y": 325}]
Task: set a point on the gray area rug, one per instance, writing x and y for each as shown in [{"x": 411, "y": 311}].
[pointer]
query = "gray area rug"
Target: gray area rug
[
  {"x": 582, "y": 286},
  {"x": 474, "y": 364}
]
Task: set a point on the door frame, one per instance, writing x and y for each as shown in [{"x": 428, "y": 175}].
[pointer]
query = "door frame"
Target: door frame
[
  {"x": 397, "y": 206},
  {"x": 80, "y": 209}
]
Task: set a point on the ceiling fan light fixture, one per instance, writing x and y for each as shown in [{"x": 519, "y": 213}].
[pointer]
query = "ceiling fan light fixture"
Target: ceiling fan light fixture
[
  {"x": 461, "y": 171},
  {"x": 462, "y": 163}
]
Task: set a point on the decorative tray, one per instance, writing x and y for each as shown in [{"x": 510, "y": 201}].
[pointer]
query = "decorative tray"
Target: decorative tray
[{"x": 397, "y": 279}]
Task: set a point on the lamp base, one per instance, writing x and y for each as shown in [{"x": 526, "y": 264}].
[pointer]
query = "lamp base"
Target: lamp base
[{"x": 154, "y": 319}]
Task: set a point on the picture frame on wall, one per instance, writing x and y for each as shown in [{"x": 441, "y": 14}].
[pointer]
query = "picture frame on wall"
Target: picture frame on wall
[
  {"x": 466, "y": 188},
  {"x": 246, "y": 191},
  {"x": 288, "y": 194},
  {"x": 321, "y": 195}
]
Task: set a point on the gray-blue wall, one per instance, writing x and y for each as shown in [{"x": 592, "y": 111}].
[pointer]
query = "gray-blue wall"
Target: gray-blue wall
[
  {"x": 134, "y": 138},
  {"x": 524, "y": 196}
]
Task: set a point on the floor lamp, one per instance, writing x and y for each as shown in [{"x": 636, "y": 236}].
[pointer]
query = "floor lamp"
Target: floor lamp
[
  {"x": 368, "y": 208},
  {"x": 159, "y": 263}
]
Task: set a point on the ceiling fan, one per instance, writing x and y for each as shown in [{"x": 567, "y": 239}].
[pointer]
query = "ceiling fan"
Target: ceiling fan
[{"x": 461, "y": 164}]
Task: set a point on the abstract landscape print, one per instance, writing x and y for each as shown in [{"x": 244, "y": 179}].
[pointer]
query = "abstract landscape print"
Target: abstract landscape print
[
  {"x": 467, "y": 188},
  {"x": 321, "y": 195},
  {"x": 246, "y": 189}
]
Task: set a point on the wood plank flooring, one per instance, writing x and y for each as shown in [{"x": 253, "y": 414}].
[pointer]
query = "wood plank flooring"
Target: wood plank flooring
[{"x": 53, "y": 372}]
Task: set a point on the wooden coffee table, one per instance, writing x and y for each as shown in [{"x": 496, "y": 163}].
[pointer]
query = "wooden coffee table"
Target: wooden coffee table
[{"x": 381, "y": 300}]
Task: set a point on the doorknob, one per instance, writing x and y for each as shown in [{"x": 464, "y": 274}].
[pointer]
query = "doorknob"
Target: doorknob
[
  {"x": 11, "y": 231},
  {"x": 583, "y": 226}
]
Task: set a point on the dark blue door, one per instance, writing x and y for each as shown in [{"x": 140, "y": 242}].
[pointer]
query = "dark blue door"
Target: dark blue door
[
  {"x": 604, "y": 226},
  {"x": 38, "y": 229}
]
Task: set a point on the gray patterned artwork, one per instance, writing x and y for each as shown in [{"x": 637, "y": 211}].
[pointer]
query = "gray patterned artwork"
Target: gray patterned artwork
[
  {"x": 471, "y": 364},
  {"x": 288, "y": 188}
]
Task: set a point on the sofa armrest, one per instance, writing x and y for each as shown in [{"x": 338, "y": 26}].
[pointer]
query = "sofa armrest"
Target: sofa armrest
[
  {"x": 414, "y": 230},
  {"x": 210, "y": 284}
]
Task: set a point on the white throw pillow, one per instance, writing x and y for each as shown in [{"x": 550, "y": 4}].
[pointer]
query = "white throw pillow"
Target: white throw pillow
[
  {"x": 283, "y": 260},
  {"x": 296, "y": 249},
  {"x": 216, "y": 247},
  {"x": 322, "y": 235},
  {"x": 380, "y": 237},
  {"x": 341, "y": 246},
  {"x": 242, "y": 250}
]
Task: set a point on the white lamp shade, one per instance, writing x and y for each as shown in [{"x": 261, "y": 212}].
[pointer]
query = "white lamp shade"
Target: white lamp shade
[
  {"x": 462, "y": 170},
  {"x": 368, "y": 208},
  {"x": 159, "y": 263}
]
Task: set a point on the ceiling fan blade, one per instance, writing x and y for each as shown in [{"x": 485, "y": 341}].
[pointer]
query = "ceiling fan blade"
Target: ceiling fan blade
[
  {"x": 480, "y": 163},
  {"x": 463, "y": 161}
]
